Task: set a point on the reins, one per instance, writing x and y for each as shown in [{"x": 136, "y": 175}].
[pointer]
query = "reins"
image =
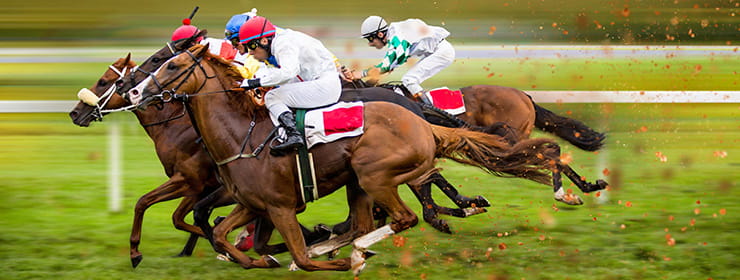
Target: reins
[{"x": 169, "y": 95}]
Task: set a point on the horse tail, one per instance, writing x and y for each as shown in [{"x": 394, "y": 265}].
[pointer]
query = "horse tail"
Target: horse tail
[
  {"x": 569, "y": 129},
  {"x": 527, "y": 159}
]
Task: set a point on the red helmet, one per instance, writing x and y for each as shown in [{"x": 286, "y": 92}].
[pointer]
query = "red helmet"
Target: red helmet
[
  {"x": 185, "y": 31},
  {"x": 255, "y": 28}
]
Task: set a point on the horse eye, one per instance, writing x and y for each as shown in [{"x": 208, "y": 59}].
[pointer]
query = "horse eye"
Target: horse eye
[
  {"x": 171, "y": 66},
  {"x": 102, "y": 83},
  {"x": 155, "y": 59}
]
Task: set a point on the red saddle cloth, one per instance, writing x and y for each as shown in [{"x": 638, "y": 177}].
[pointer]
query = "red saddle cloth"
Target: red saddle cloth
[
  {"x": 448, "y": 100},
  {"x": 344, "y": 119}
]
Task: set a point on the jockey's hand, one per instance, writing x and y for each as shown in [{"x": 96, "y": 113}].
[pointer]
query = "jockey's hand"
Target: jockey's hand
[
  {"x": 251, "y": 84},
  {"x": 346, "y": 74}
]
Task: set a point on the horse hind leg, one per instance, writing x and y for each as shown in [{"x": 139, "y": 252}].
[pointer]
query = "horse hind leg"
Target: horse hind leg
[
  {"x": 459, "y": 200},
  {"x": 582, "y": 184},
  {"x": 560, "y": 194},
  {"x": 430, "y": 209},
  {"x": 238, "y": 217}
]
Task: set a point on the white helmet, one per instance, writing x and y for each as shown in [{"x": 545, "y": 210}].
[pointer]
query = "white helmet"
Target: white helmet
[{"x": 373, "y": 24}]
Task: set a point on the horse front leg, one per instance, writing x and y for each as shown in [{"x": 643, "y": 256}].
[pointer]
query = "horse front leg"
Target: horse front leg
[
  {"x": 175, "y": 187},
  {"x": 286, "y": 223},
  {"x": 202, "y": 210},
  {"x": 178, "y": 219},
  {"x": 238, "y": 217}
]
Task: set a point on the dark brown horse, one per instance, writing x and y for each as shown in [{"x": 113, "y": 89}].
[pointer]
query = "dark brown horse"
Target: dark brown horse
[
  {"x": 397, "y": 147},
  {"x": 191, "y": 171},
  {"x": 512, "y": 114}
]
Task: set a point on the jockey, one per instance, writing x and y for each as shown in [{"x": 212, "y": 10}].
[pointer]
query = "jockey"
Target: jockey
[
  {"x": 216, "y": 46},
  {"x": 404, "y": 39},
  {"x": 303, "y": 69}
]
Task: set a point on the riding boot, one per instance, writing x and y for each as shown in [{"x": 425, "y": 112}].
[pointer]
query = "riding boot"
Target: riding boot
[
  {"x": 421, "y": 96},
  {"x": 293, "y": 139}
]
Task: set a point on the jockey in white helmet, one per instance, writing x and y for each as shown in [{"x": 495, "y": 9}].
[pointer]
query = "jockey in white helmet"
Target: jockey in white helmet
[{"x": 404, "y": 39}]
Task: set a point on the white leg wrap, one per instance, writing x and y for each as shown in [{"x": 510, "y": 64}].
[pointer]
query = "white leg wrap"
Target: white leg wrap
[
  {"x": 473, "y": 211},
  {"x": 365, "y": 241},
  {"x": 293, "y": 266},
  {"x": 357, "y": 260}
]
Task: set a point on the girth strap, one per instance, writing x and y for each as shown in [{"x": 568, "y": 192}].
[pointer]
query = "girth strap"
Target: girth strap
[{"x": 304, "y": 159}]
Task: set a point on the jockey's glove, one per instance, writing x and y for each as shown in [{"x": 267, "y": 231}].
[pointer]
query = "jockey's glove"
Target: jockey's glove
[{"x": 251, "y": 84}]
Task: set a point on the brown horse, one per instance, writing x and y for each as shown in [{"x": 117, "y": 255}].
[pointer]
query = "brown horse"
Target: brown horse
[
  {"x": 397, "y": 147},
  {"x": 512, "y": 114},
  {"x": 191, "y": 171},
  {"x": 467, "y": 206}
]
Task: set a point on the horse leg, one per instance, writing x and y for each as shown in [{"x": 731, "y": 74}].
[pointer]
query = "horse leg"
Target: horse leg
[
  {"x": 178, "y": 219},
  {"x": 582, "y": 184},
  {"x": 175, "y": 187},
  {"x": 358, "y": 223},
  {"x": 429, "y": 208},
  {"x": 402, "y": 218},
  {"x": 238, "y": 217},
  {"x": 202, "y": 210},
  {"x": 459, "y": 200},
  {"x": 286, "y": 223}
]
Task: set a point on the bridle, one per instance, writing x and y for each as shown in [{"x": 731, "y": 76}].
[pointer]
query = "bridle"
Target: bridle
[{"x": 167, "y": 95}]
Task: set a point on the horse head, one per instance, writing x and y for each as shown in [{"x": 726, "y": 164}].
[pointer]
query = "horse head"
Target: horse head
[
  {"x": 187, "y": 75},
  {"x": 156, "y": 60},
  {"x": 100, "y": 99}
]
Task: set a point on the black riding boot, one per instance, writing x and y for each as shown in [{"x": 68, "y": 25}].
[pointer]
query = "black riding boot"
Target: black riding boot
[{"x": 293, "y": 139}]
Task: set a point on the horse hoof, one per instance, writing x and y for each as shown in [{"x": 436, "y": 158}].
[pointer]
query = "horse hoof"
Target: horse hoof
[
  {"x": 293, "y": 267},
  {"x": 474, "y": 211},
  {"x": 441, "y": 225},
  {"x": 135, "y": 261},
  {"x": 333, "y": 254},
  {"x": 570, "y": 199},
  {"x": 271, "y": 261},
  {"x": 218, "y": 220},
  {"x": 222, "y": 257},
  {"x": 482, "y": 202},
  {"x": 602, "y": 184},
  {"x": 357, "y": 261}
]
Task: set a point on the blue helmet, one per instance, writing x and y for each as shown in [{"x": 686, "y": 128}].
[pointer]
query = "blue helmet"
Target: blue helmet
[{"x": 236, "y": 22}]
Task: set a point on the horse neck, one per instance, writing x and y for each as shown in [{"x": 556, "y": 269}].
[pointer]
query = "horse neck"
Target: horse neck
[
  {"x": 223, "y": 118},
  {"x": 164, "y": 125}
]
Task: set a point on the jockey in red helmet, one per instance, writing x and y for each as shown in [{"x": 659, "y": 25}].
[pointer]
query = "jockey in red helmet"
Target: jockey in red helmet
[{"x": 306, "y": 73}]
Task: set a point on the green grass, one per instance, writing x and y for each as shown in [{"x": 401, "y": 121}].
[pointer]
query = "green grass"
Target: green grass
[{"x": 55, "y": 223}]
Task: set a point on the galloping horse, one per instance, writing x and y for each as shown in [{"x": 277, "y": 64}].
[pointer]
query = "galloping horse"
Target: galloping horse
[
  {"x": 467, "y": 206},
  {"x": 192, "y": 173},
  {"x": 397, "y": 147},
  {"x": 512, "y": 114}
]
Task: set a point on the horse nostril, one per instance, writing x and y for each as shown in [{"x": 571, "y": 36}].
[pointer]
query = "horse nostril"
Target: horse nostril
[{"x": 73, "y": 114}]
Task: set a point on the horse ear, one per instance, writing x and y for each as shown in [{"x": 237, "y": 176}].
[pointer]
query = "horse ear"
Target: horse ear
[
  {"x": 201, "y": 33},
  {"x": 201, "y": 50},
  {"x": 127, "y": 60}
]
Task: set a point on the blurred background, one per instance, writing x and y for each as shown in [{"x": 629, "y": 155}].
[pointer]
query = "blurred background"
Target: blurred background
[{"x": 671, "y": 212}]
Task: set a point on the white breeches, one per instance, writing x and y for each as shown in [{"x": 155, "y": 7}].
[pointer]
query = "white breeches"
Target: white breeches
[
  {"x": 309, "y": 94},
  {"x": 428, "y": 67}
]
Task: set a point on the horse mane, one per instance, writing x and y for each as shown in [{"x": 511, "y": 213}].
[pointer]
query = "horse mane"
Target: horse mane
[{"x": 230, "y": 76}]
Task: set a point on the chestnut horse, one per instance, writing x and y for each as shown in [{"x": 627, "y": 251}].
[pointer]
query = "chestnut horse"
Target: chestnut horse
[
  {"x": 191, "y": 172},
  {"x": 467, "y": 206},
  {"x": 397, "y": 147}
]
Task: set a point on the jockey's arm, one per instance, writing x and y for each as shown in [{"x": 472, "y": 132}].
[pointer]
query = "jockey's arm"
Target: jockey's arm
[{"x": 289, "y": 67}]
